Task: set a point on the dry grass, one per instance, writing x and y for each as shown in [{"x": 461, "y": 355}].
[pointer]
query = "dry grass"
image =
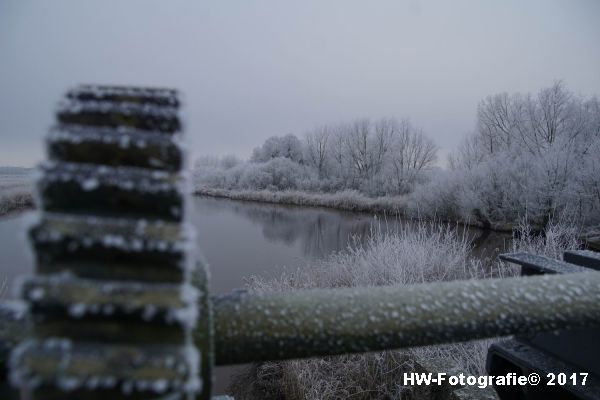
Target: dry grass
[
  {"x": 413, "y": 254},
  {"x": 347, "y": 200},
  {"x": 422, "y": 253},
  {"x": 559, "y": 235}
]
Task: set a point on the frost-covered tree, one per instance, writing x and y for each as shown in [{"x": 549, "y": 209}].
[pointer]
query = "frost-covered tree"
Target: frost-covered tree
[
  {"x": 529, "y": 156},
  {"x": 279, "y": 173},
  {"x": 532, "y": 156},
  {"x": 229, "y": 161},
  {"x": 411, "y": 153},
  {"x": 341, "y": 169},
  {"x": 288, "y": 146},
  {"x": 317, "y": 150},
  {"x": 528, "y": 123},
  {"x": 359, "y": 149},
  {"x": 385, "y": 157}
]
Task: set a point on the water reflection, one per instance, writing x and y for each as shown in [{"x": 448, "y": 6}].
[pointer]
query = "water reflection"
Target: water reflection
[
  {"x": 244, "y": 238},
  {"x": 239, "y": 239},
  {"x": 319, "y": 232}
]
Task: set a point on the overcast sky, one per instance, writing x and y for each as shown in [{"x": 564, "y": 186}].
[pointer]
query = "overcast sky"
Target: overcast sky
[{"x": 254, "y": 69}]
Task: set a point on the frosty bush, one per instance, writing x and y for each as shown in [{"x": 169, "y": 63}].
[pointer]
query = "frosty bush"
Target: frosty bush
[
  {"x": 414, "y": 254},
  {"x": 288, "y": 146},
  {"x": 559, "y": 235},
  {"x": 275, "y": 174}
]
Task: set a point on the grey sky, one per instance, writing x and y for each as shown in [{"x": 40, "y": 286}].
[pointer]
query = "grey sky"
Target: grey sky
[{"x": 254, "y": 69}]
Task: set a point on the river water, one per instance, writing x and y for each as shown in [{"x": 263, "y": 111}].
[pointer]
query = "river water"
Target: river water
[{"x": 240, "y": 239}]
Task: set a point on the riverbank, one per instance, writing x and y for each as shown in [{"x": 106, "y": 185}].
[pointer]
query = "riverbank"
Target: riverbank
[
  {"x": 16, "y": 190},
  {"x": 347, "y": 200},
  {"x": 353, "y": 201},
  {"x": 18, "y": 198},
  {"x": 15, "y": 199}
]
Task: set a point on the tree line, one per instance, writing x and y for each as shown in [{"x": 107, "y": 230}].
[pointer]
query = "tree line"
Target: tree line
[
  {"x": 530, "y": 156},
  {"x": 382, "y": 157},
  {"x": 534, "y": 156}
]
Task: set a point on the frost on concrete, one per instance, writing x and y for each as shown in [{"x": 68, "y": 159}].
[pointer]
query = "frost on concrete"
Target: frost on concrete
[
  {"x": 539, "y": 264},
  {"x": 586, "y": 258}
]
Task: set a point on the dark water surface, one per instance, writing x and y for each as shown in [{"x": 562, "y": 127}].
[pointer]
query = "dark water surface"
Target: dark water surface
[{"x": 240, "y": 239}]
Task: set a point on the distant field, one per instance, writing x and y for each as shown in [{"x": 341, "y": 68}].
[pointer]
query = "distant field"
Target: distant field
[{"x": 15, "y": 189}]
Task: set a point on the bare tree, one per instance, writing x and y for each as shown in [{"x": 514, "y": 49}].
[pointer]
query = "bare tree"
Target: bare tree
[
  {"x": 502, "y": 123},
  {"x": 495, "y": 122},
  {"x": 385, "y": 129},
  {"x": 358, "y": 147},
  {"x": 412, "y": 152},
  {"x": 317, "y": 149},
  {"x": 338, "y": 153},
  {"x": 549, "y": 115},
  {"x": 529, "y": 123}
]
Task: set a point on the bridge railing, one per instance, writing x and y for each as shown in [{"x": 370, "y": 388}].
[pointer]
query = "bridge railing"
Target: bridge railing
[{"x": 258, "y": 327}]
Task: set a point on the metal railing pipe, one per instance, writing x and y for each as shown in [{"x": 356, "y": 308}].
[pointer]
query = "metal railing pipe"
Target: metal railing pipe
[{"x": 251, "y": 327}]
